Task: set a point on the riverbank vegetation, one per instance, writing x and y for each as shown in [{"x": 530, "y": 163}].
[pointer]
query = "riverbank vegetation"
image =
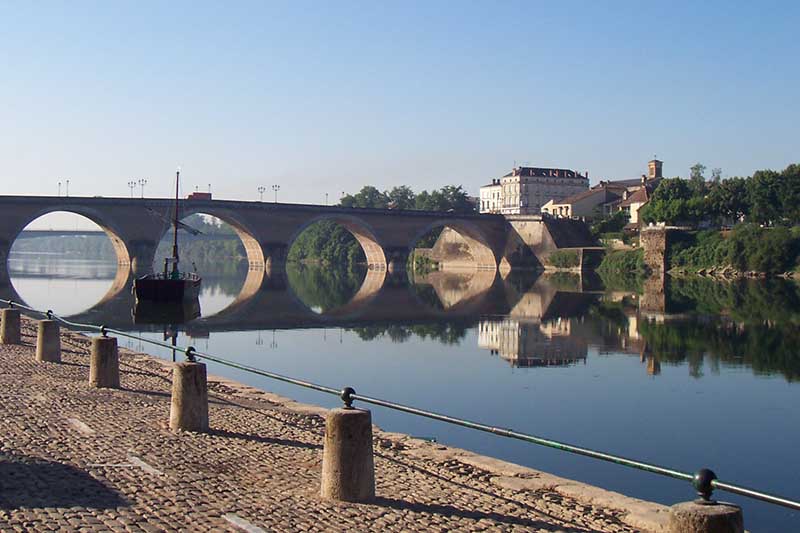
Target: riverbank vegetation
[
  {"x": 564, "y": 259},
  {"x": 748, "y": 247}
]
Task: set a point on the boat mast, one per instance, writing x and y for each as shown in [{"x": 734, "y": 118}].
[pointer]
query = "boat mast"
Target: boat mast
[{"x": 175, "y": 224}]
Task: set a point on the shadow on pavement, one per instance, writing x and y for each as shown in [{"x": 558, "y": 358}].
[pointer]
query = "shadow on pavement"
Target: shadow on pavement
[{"x": 35, "y": 483}]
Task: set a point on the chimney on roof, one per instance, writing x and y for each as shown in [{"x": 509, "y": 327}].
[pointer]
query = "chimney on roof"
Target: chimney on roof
[
  {"x": 644, "y": 180},
  {"x": 586, "y": 174}
]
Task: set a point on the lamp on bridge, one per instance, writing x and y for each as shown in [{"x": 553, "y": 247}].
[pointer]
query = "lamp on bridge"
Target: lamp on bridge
[
  {"x": 132, "y": 186},
  {"x": 261, "y": 190},
  {"x": 142, "y": 182},
  {"x": 276, "y": 188}
]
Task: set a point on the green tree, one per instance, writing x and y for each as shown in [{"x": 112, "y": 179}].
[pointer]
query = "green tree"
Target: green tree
[
  {"x": 401, "y": 197},
  {"x": 790, "y": 193},
  {"x": 729, "y": 199},
  {"x": 765, "y": 196},
  {"x": 674, "y": 201},
  {"x": 368, "y": 196},
  {"x": 457, "y": 199},
  {"x": 697, "y": 179}
]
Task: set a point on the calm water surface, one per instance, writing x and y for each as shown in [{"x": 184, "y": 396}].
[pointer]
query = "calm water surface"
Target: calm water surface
[{"x": 708, "y": 380}]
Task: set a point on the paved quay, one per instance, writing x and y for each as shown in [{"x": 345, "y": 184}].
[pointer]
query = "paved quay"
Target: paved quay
[{"x": 75, "y": 458}]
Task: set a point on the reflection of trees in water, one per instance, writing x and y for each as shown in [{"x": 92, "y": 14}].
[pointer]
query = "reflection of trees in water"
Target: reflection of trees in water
[
  {"x": 745, "y": 322},
  {"x": 745, "y": 300},
  {"x": 450, "y": 333},
  {"x": 324, "y": 287},
  {"x": 767, "y": 349},
  {"x": 427, "y": 295},
  {"x": 231, "y": 269}
]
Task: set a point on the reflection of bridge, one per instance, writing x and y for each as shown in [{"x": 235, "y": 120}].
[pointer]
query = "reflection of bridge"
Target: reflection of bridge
[{"x": 267, "y": 301}]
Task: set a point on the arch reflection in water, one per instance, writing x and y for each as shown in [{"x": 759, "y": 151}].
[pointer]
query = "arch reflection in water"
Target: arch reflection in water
[{"x": 45, "y": 267}]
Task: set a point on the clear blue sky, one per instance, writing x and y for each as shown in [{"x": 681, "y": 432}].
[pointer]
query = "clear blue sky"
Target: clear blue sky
[{"x": 327, "y": 96}]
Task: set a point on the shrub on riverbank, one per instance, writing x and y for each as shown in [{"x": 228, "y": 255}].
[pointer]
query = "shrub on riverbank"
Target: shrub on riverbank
[
  {"x": 564, "y": 259},
  {"x": 747, "y": 248},
  {"x": 627, "y": 262}
]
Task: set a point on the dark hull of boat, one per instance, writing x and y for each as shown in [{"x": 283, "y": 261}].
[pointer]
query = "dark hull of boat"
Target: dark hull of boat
[{"x": 166, "y": 291}]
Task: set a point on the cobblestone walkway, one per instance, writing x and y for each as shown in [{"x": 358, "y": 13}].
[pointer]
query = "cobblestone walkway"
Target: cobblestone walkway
[{"x": 74, "y": 458}]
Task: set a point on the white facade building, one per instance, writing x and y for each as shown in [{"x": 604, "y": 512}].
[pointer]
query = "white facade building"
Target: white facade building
[{"x": 524, "y": 190}]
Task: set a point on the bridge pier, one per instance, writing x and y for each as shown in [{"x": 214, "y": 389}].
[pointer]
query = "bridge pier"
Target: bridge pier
[
  {"x": 275, "y": 255},
  {"x": 396, "y": 258},
  {"x": 142, "y": 254},
  {"x": 5, "y": 278}
]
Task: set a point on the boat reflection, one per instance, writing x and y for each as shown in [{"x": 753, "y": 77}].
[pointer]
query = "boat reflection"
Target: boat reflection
[{"x": 147, "y": 312}]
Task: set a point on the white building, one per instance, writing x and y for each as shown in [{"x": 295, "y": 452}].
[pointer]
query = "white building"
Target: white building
[{"x": 524, "y": 190}]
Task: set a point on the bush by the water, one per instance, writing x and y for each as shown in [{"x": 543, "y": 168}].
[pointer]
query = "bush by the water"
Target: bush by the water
[
  {"x": 628, "y": 262},
  {"x": 747, "y": 248},
  {"x": 564, "y": 259}
]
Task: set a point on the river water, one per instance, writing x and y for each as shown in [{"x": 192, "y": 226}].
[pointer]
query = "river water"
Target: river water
[{"x": 702, "y": 375}]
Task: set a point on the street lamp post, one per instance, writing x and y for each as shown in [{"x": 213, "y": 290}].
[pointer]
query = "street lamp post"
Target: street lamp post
[
  {"x": 261, "y": 190},
  {"x": 132, "y": 186},
  {"x": 276, "y": 188},
  {"x": 326, "y": 198},
  {"x": 67, "y": 187},
  {"x": 142, "y": 182},
  {"x": 59, "y": 188}
]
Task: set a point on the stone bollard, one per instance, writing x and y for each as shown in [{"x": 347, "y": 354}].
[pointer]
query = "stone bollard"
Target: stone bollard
[
  {"x": 348, "y": 470},
  {"x": 9, "y": 327},
  {"x": 189, "y": 408},
  {"x": 104, "y": 363},
  {"x": 694, "y": 517},
  {"x": 48, "y": 342}
]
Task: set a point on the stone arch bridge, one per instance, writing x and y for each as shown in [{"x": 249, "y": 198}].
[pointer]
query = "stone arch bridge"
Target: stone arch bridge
[{"x": 267, "y": 230}]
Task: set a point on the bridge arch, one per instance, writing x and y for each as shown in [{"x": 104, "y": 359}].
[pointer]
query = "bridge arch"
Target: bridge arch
[
  {"x": 363, "y": 233},
  {"x": 482, "y": 255},
  {"x": 112, "y": 232},
  {"x": 253, "y": 249}
]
